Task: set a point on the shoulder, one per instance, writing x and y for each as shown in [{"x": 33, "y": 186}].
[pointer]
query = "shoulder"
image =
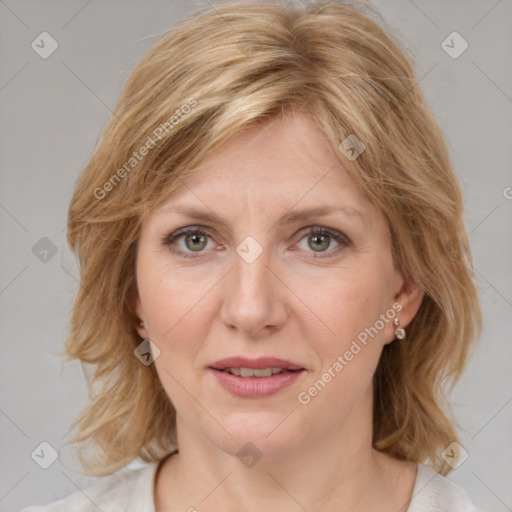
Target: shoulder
[
  {"x": 128, "y": 489},
  {"x": 435, "y": 493}
]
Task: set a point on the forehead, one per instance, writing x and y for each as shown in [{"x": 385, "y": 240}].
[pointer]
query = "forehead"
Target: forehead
[
  {"x": 281, "y": 143},
  {"x": 281, "y": 162}
]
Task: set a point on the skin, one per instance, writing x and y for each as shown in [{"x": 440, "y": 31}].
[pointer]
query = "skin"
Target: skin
[{"x": 286, "y": 304}]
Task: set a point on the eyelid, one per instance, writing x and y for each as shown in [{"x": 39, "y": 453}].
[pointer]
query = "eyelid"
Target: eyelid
[
  {"x": 339, "y": 237},
  {"x": 184, "y": 231},
  {"x": 306, "y": 229},
  {"x": 314, "y": 229},
  {"x": 320, "y": 229}
]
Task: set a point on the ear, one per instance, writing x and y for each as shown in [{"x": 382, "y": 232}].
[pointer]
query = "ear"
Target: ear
[
  {"x": 135, "y": 307},
  {"x": 408, "y": 297}
]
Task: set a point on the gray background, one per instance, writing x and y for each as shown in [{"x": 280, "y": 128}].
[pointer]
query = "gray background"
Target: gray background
[{"x": 52, "y": 113}]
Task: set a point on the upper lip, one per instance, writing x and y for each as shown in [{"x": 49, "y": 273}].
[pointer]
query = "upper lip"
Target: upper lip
[{"x": 262, "y": 362}]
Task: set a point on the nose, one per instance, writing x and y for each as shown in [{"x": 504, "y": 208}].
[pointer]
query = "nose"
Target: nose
[{"x": 254, "y": 298}]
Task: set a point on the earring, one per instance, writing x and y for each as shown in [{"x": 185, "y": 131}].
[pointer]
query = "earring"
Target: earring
[
  {"x": 141, "y": 324},
  {"x": 399, "y": 331}
]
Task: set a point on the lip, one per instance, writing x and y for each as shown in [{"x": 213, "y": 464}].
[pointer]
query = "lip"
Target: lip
[
  {"x": 261, "y": 362},
  {"x": 256, "y": 387}
]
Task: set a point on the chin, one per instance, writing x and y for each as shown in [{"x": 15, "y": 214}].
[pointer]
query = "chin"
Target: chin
[{"x": 266, "y": 437}]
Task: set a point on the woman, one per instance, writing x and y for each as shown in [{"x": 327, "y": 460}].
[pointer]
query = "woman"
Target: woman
[{"x": 276, "y": 281}]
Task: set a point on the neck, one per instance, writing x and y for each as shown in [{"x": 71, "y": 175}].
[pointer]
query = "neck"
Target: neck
[{"x": 336, "y": 471}]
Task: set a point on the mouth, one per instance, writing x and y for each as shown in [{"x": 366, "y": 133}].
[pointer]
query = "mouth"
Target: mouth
[
  {"x": 255, "y": 372},
  {"x": 242, "y": 366},
  {"x": 256, "y": 378}
]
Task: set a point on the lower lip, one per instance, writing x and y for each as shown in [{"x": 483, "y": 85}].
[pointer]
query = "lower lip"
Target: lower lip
[{"x": 256, "y": 387}]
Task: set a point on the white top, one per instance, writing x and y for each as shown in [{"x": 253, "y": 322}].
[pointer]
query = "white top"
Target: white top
[{"x": 133, "y": 490}]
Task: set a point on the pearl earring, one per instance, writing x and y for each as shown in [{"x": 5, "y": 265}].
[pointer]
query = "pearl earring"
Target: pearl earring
[
  {"x": 141, "y": 324},
  {"x": 399, "y": 331}
]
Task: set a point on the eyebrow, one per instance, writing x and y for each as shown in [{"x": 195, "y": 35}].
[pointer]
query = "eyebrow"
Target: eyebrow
[{"x": 287, "y": 218}]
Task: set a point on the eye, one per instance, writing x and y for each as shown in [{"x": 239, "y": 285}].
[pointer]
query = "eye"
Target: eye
[
  {"x": 319, "y": 239},
  {"x": 195, "y": 241},
  {"x": 187, "y": 241}
]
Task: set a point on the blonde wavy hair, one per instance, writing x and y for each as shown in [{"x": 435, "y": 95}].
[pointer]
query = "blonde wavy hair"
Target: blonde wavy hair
[{"x": 208, "y": 77}]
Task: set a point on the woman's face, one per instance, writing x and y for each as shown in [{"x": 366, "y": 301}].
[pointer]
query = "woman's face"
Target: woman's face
[{"x": 285, "y": 259}]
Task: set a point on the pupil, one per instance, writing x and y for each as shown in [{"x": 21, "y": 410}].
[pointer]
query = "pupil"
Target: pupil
[
  {"x": 320, "y": 242},
  {"x": 198, "y": 241}
]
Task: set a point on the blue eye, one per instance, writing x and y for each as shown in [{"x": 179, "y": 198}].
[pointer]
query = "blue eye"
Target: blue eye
[{"x": 187, "y": 241}]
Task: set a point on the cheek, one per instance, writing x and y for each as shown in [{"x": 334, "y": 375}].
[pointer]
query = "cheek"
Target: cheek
[
  {"x": 351, "y": 335},
  {"x": 344, "y": 305},
  {"x": 177, "y": 312},
  {"x": 175, "y": 302},
  {"x": 349, "y": 355},
  {"x": 179, "y": 308}
]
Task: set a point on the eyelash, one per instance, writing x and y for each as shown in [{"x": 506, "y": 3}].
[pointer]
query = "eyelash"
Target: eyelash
[{"x": 172, "y": 238}]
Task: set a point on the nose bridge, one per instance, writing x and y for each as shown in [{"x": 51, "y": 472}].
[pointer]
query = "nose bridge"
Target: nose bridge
[
  {"x": 252, "y": 275},
  {"x": 251, "y": 259},
  {"x": 253, "y": 300}
]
